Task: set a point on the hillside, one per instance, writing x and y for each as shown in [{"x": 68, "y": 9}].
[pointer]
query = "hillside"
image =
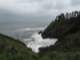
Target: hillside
[
  {"x": 66, "y": 27},
  {"x": 12, "y": 49}
]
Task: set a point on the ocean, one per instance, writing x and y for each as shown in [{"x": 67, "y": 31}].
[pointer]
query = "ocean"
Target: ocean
[
  {"x": 22, "y": 29},
  {"x": 27, "y": 32}
]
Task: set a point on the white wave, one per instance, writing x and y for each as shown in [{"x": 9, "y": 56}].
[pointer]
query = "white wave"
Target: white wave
[
  {"x": 31, "y": 29},
  {"x": 36, "y": 41}
]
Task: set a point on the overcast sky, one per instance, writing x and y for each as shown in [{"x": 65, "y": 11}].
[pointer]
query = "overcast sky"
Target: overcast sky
[{"x": 39, "y": 7}]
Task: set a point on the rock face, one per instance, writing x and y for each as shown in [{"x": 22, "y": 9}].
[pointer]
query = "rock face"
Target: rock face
[{"x": 66, "y": 27}]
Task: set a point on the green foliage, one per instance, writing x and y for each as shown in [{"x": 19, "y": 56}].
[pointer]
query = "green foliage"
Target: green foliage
[
  {"x": 67, "y": 29},
  {"x": 12, "y": 49}
]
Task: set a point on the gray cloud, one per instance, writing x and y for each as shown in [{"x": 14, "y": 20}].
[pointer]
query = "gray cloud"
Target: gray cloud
[
  {"x": 75, "y": 2},
  {"x": 39, "y": 8},
  {"x": 35, "y": 6},
  {"x": 7, "y": 16}
]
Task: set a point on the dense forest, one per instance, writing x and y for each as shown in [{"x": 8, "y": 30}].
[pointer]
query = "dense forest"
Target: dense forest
[{"x": 66, "y": 27}]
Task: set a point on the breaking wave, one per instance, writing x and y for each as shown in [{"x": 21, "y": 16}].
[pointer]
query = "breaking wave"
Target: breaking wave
[
  {"x": 36, "y": 41},
  {"x": 26, "y": 32},
  {"x": 31, "y": 29}
]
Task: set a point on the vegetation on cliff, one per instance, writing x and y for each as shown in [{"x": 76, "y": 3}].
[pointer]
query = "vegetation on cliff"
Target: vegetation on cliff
[{"x": 66, "y": 27}]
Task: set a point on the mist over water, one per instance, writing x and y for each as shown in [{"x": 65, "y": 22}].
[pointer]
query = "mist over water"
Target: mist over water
[
  {"x": 21, "y": 29},
  {"x": 27, "y": 32}
]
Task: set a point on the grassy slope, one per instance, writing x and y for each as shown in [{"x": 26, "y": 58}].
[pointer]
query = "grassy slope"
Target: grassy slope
[{"x": 11, "y": 49}]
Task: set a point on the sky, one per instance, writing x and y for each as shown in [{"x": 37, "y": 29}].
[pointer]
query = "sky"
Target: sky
[{"x": 39, "y": 8}]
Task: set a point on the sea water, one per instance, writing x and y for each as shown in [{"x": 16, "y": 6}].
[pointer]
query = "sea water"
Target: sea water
[{"x": 27, "y": 32}]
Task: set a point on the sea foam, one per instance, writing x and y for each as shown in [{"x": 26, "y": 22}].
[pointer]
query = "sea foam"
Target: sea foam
[
  {"x": 36, "y": 41},
  {"x": 31, "y": 29}
]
